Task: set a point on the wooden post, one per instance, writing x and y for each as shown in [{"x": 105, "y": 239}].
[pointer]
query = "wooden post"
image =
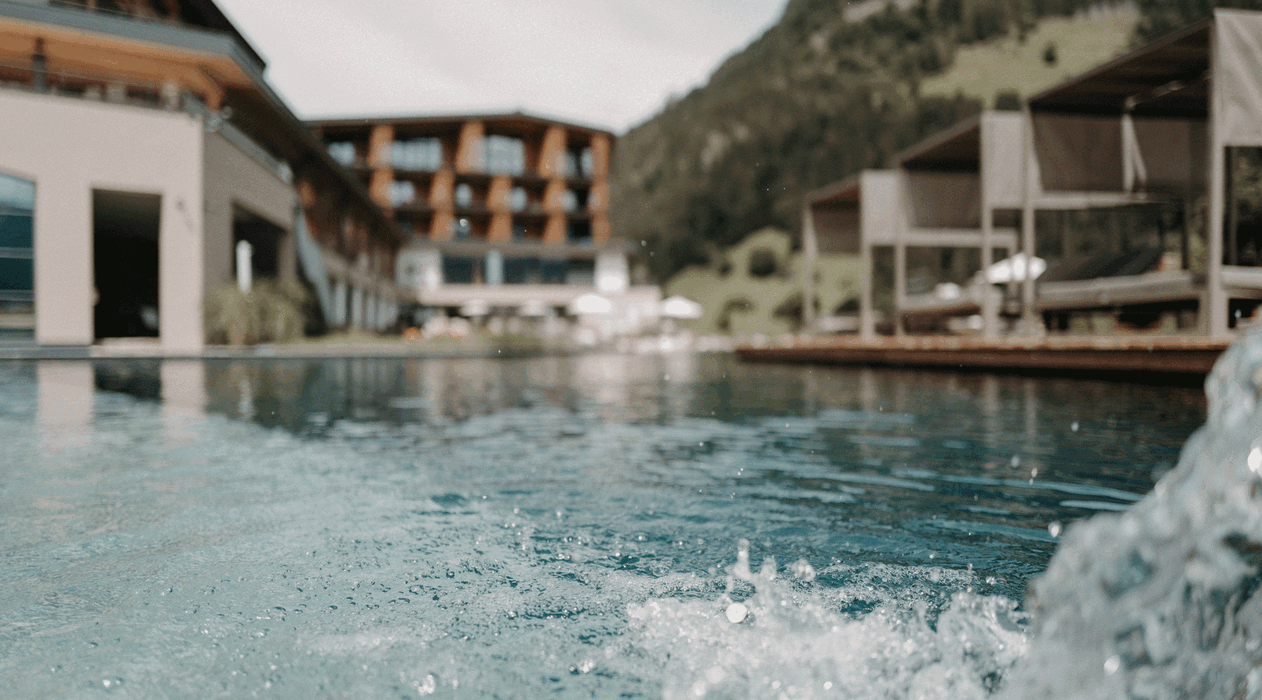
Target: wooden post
[
  {"x": 1030, "y": 171},
  {"x": 810, "y": 248},
  {"x": 900, "y": 256},
  {"x": 1214, "y": 316},
  {"x": 990, "y": 314},
  {"x": 1233, "y": 223}
]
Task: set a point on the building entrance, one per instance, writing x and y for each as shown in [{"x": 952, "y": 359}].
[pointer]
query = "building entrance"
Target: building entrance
[
  {"x": 264, "y": 238},
  {"x": 125, "y": 263}
]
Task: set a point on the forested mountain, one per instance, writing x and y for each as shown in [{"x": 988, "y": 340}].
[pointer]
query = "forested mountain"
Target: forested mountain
[{"x": 814, "y": 99}]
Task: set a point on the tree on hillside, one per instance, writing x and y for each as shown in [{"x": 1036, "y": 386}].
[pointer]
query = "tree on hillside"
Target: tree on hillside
[
  {"x": 1160, "y": 17},
  {"x": 813, "y": 100}
]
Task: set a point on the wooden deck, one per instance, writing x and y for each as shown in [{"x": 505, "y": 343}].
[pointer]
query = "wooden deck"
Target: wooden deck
[{"x": 1185, "y": 356}]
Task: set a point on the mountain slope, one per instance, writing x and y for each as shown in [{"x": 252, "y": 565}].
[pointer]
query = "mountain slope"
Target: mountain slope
[{"x": 814, "y": 99}]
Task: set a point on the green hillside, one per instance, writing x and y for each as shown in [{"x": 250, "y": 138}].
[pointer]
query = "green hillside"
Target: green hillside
[
  {"x": 1059, "y": 47},
  {"x": 817, "y": 98}
]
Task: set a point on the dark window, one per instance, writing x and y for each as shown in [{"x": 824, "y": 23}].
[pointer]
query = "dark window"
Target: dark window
[
  {"x": 16, "y": 230},
  {"x": 521, "y": 271},
  {"x": 579, "y": 232},
  {"x": 17, "y": 278},
  {"x": 458, "y": 270},
  {"x": 17, "y": 265},
  {"x": 554, "y": 271},
  {"x": 582, "y": 272}
]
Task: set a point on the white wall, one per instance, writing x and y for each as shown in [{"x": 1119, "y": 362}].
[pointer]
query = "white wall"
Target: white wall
[{"x": 69, "y": 147}]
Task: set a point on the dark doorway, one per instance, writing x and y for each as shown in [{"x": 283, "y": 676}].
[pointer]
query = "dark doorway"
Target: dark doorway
[
  {"x": 263, "y": 236},
  {"x": 125, "y": 263}
]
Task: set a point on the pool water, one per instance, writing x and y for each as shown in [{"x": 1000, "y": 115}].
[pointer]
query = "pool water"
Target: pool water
[{"x": 590, "y": 526}]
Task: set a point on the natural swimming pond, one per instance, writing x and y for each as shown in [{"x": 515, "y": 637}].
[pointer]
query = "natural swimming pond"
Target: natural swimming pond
[{"x": 560, "y": 526}]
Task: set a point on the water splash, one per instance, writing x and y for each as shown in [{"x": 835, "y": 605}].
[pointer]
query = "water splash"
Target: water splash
[
  {"x": 1161, "y": 601},
  {"x": 775, "y": 637}
]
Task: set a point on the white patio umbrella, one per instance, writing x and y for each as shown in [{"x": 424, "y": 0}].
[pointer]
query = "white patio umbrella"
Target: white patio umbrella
[
  {"x": 1013, "y": 269},
  {"x": 533, "y": 307},
  {"x": 474, "y": 307},
  {"x": 590, "y": 304},
  {"x": 681, "y": 307}
]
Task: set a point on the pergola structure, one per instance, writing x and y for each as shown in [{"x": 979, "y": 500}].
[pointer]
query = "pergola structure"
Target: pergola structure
[
  {"x": 853, "y": 216},
  {"x": 1152, "y": 125},
  {"x": 958, "y": 189},
  {"x": 961, "y": 189}
]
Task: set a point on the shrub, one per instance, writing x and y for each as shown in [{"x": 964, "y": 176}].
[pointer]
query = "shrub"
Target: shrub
[
  {"x": 762, "y": 262},
  {"x": 272, "y": 312},
  {"x": 1008, "y": 101}
]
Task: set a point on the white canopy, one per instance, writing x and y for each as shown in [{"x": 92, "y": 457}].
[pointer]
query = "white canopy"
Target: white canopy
[
  {"x": 533, "y": 307},
  {"x": 1013, "y": 269},
  {"x": 475, "y": 307},
  {"x": 681, "y": 307},
  {"x": 591, "y": 304}
]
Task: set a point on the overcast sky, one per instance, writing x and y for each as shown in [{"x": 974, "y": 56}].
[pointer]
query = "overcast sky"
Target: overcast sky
[{"x": 608, "y": 63}]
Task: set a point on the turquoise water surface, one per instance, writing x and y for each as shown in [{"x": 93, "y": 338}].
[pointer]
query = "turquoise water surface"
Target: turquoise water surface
[{"x": 560, "y": 527}]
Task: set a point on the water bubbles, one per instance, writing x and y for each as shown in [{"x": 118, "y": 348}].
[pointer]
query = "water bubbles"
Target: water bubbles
[
  {"x": 802, "y": 571},
  {"x": 1054, "y": 528},
  {"x": 111, "y": 683},
  {"x": 1112, "y": 664},
  {"x": 1255, "y": 458},
  {"x": 1073, "y": 427},
  {"x": 1015, "y": 461},
  {"x": 736, "y": 613}
]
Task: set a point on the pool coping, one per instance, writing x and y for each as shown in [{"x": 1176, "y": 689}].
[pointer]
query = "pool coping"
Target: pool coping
[{"x": 266, "y": 352}]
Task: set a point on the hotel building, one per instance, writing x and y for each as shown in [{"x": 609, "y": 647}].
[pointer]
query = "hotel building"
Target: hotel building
[
  {"x": 141, "y": 144},
  {"x": 507, "y": 213}
]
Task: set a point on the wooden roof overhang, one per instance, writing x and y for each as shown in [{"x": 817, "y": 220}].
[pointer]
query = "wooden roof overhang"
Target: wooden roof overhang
[
  {"x": 847, "y": 191},
  {"x": 514, "y": 123},
  {"x": 1167, "y": 78},
  {"x": 957, "y": 149},
  {"x": 213, "y": 64}
]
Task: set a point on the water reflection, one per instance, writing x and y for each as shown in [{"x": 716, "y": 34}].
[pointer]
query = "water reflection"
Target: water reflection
[
  {"x": 65, "y": 404},
  {"x": 294, "y": 514},
  {"x": 932, "y": 452}
]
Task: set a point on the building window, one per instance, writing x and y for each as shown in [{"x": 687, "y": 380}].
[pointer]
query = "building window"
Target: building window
[
  {"x": 342, "y": 152},
  {"x": 402, "y": 193},
  {"x": 464, "y": 195},
  {"x": 518, "y": 199},
  {"x": 587, "y": 163},
  {"x": 417, "y": 154},
  {"x": 581, "y": 272},
  {"x": 569, "y": 201},
  {"x": 458, "y": 270},
  {"x": 17, "y": 257},
  {"x": 461, "y": 229},
  {"x": 504, "y": 155},
  {"x": 554, "y": 271},
  {"x": 521, "y": 271},
  {"x": 579, "y": 232},
  {"x": 579, "y": 163}
]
